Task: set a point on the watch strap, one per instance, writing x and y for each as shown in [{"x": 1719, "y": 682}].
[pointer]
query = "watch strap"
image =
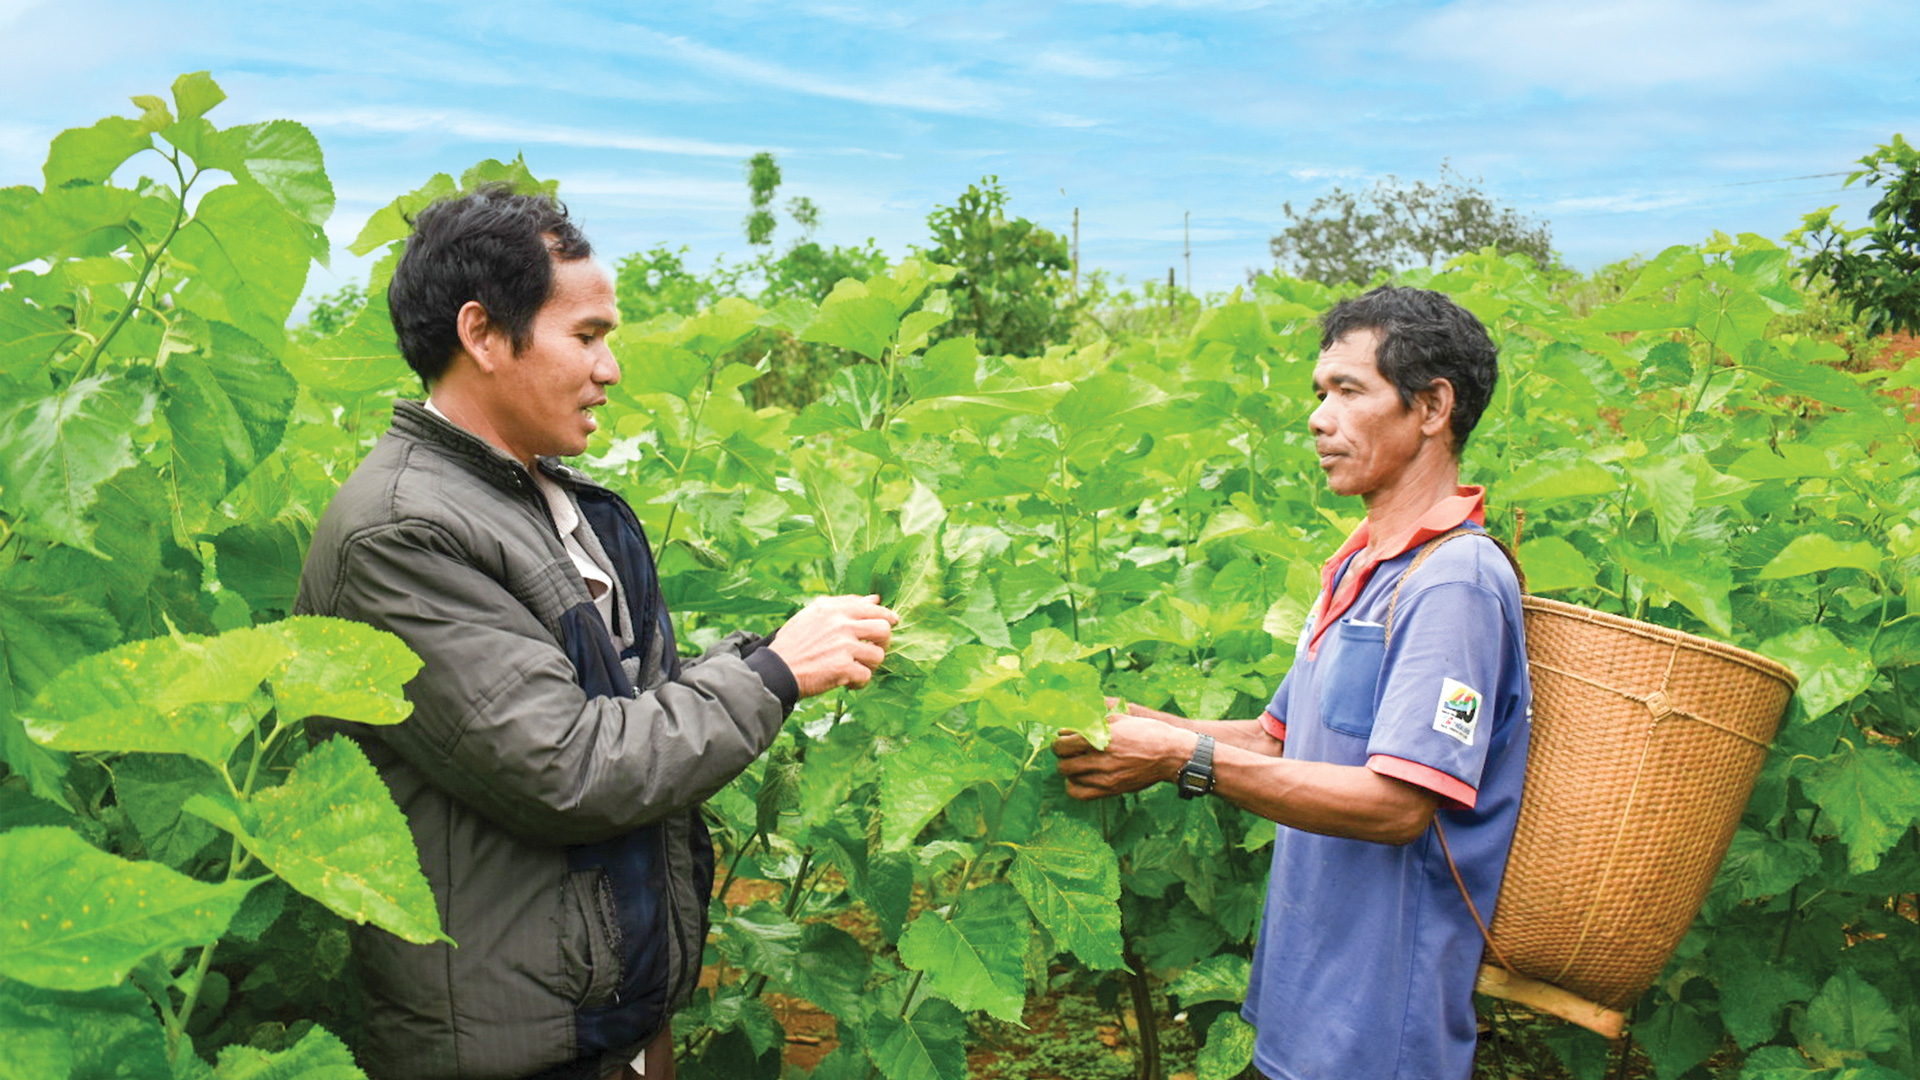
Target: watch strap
[{"x": 1196, "y": 776}]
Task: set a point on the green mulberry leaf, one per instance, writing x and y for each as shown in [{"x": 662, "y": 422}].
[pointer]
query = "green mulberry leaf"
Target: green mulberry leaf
[
  {"x": 830, "y": 970},
  {"x": 1831, "y": 672},
  {"x": 1217, "y": 978},
  {"x": 333, "y": 832},
  {"x": 1847, "y": 1019},
  {"x": 1071, "y": 880},
  {"x": 975, "y": 957},
  {"x": 56, "y": 451},
  {"x": 927, "y": 1046},
  {"x": 1810, "y": 553},
  {"x": 861, "y": 324},
  {"x": 76, "y": 918},
  {"x": 920, "y": 779},
  {"x": 342, "y": 669},
  {"x": 319, "y": 1055},
  {"x": 1229, "y": 1048},
  {"x": 198, "y": 697},
  {"x": 1870, "y": 796}
]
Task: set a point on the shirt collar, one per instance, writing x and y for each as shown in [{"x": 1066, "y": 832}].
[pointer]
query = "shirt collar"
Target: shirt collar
[{"x": 1467, "y": 504}]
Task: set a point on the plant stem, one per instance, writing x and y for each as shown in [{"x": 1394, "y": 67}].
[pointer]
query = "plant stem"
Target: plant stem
[
  {"x": 693, "y": 443},
  {"x": 237, "y": 858},
  {"x": 140, "y": 283},
  {"x": 1148, "y": 1066}
]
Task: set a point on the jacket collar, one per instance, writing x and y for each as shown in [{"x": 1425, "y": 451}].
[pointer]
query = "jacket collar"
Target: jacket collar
[{"x": 413, "y": 420}]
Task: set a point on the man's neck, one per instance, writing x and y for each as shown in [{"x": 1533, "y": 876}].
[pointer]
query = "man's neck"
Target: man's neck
[
  {"x": 456, "y": 408},
  {"x": 1394, "y": 512}
]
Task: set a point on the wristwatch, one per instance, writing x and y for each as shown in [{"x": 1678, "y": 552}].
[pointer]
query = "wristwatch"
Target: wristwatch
[{"x": 1196, "y": 776}]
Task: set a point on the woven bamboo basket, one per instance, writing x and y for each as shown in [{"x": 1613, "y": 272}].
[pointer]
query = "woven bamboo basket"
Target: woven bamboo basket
[{"x": 1646, "y": 744}]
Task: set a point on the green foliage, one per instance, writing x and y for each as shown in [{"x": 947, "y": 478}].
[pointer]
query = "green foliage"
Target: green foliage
[
  {"x": 1137, "y": 515},
  {"x": 1353, "y": 237},
  {"x": 763, "y": 179},
  {"x": 151, "y": 426},
  {"x": 1011, "y": 292},
  {"x": 1875, "y": 269}
]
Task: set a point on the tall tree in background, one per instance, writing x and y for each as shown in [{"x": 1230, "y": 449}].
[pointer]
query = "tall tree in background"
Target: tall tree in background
[
  {"x": 1879, "y": 279},
  {"x": 1012, "y": 292},
  {"x": 763, "y": 179},
  {"x": 1348, "y": 236}
]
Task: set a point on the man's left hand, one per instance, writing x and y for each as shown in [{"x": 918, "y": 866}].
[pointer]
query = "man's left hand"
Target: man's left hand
[{"x": 1141, "y": 752}]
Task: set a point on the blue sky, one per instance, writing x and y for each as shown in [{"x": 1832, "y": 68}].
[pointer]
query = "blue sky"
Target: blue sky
[{"x": 1627, "y": 124}]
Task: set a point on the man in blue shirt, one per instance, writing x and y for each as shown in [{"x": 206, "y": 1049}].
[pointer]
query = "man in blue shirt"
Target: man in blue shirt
[{"x": 1400, "y": 732}]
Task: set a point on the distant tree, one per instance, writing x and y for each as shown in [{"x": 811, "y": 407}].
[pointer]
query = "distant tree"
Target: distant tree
[
  {"x": 810, "y": 271},
  {"x": 1879, "y": 279},
  {"x": 805, "y": 214},
  {"x": 655, "y": 281},
  {"x": 763, "y": 179},
  {"x": 331, "y": 313},
  {"x": 1012, "y": 292},
  {"x": 1348, "y": 236}
]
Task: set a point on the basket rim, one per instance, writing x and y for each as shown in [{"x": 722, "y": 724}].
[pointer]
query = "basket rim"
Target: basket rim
[{"x": 1665, "y": 635}]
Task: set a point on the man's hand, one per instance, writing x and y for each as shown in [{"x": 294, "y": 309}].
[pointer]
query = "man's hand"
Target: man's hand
[
  {"x": 1141, "y": 752},
  {"x": 835, "y": 641}
]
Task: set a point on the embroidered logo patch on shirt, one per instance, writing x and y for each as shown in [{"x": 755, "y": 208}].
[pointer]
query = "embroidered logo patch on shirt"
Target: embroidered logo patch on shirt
[{"x": 1459, "y": 711}]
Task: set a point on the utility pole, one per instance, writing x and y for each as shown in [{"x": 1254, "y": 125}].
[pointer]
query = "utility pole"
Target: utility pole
[
  {"x": 1076, "y": 251},
  {"x": 1169, "y": 292},
  {"x": 1186, "y": 230}
]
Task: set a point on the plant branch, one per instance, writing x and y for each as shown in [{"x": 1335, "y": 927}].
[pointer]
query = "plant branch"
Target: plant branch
[{"x": 152, "y": 259}]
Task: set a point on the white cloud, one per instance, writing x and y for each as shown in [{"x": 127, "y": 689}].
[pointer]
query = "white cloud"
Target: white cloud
[
  {"x": 1079, "y": 65},
  {"x": 1605, "y": 47},
  {"x": 1191, "y": 5},
  {"x": 923, "y": 87},
  {"x": 482, "y": 129},
  {"x": 11, "y": 10},
  {"x": 1067, "y": 120}
]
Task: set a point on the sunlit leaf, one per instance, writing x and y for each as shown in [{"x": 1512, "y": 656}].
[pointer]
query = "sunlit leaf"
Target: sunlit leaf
[
  {"x": 1831, "y": 672},
  {"x": 975, "y": 956},
  {"x": 333, "y": 832},
  {"x": 57, "y": 449},
  {"x": 1228, "y": 1049},
  {"x": 1810, "y": 553},
  {"x": 163, "y": 695},
  {"x": 1071, "y": 880},
  {"x": 75, "y": 918}
]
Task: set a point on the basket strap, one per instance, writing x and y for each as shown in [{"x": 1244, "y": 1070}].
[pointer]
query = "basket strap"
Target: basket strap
[
  {"x": 1426, "y": 552},
  {"x": 1472, "y": 908}
]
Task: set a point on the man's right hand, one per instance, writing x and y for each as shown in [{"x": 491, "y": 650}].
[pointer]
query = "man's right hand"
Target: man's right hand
[{"x": 835, "y": 641}]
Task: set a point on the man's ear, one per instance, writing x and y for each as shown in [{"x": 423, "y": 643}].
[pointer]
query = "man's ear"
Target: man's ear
[
  {"x": 1436, "y": 405},
  {"x": 480, "y": 337}
]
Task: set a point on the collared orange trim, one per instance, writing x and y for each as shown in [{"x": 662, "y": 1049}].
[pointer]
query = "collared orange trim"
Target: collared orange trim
[
  {"x": 1273, "y": 726},
  {"x": 1425, "y": 776},
  {"x": 1466, "y": 504}
]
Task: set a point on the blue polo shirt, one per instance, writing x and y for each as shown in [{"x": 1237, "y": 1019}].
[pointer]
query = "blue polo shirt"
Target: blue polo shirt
[{"x": 1367, "y": 956}]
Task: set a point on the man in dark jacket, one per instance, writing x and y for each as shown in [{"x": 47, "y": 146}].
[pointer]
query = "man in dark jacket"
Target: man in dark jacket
[{"x": 559, "y": 749}]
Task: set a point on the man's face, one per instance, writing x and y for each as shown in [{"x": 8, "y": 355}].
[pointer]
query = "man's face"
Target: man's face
[
  {"x": 1366, "y": 438},
  {"x": 543, "y": 394}
]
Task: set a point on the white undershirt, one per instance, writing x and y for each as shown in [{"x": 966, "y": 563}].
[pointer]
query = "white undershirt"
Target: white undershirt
[{"x": 566, "y": 522}]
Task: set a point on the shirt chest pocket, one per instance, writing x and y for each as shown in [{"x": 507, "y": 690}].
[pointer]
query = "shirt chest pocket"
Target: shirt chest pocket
[{"x": 1350, "y": 677}]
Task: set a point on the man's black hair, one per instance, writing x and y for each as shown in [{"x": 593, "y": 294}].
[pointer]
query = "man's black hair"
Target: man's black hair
[
  {"x": 1424, "y": 336},
  {"x": 491, "y": 245}
]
